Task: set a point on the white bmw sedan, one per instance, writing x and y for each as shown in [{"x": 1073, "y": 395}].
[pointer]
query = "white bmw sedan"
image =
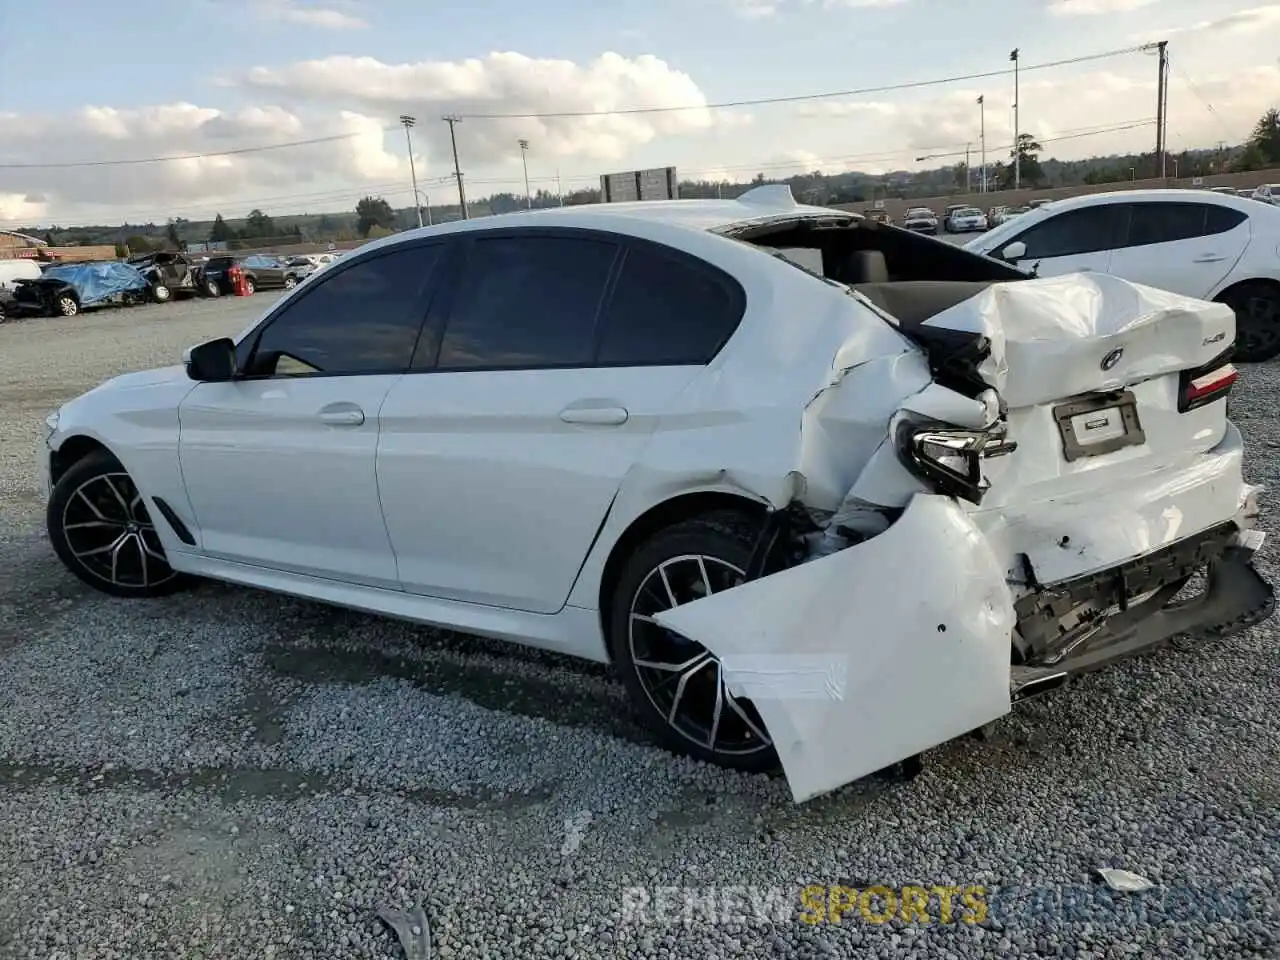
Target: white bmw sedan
[{"x": 824, "y": 492}]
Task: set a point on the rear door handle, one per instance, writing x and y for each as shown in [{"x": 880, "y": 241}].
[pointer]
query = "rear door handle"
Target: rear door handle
[
  {"x": 598, "y": 416},
  {"x": 1208, "y": 258},
  {"x": 342, "y": 415}
]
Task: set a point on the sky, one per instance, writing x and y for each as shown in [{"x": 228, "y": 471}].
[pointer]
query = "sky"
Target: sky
[{"x": 211, "y": 81}]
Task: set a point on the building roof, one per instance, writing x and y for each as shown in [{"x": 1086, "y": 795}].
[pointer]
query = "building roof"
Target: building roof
[{"x": 24, "y": 236}]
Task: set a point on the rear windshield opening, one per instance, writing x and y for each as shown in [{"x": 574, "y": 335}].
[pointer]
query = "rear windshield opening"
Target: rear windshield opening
[{"x": 909, "y": 276}]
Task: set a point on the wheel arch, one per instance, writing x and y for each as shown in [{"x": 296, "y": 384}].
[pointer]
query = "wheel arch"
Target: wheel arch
[
  {"x": 72, "y": 450},
  {"x": 1261, "y": 281},
  {"x": 669, "y": 512}
]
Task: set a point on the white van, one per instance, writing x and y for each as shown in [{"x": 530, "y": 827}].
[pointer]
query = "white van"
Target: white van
[{"x": 18, "y": 269}]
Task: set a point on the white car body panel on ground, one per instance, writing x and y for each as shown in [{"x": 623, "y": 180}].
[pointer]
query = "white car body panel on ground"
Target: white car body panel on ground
[
  {"x": 494, "y": 501},
  {"x": 811, "y": 646}
]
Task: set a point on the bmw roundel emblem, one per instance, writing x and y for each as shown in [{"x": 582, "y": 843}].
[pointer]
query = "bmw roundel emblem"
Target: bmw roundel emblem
[{"x": 1112, "y": 358}]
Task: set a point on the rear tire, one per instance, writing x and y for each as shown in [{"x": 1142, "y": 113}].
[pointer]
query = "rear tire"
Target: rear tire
[
  {"x": 1257, "y": 308},
  {"x": 248, "y": 286},
  {"x": 674, "y": 682},
  {"x": 66, "y": 306},
  {"x": 211, "y": 288},
  {"x": 161, "y": 293},
  {"x": 101, "y": 531}
]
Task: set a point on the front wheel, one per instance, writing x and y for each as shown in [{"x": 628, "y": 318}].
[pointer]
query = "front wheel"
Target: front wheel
[
  {"x": 290, "y": 282},
  {"x": 161, "y": 293},
  {"x": 211, "y": 288},
  {"x": 676, "y": 685},
  {"x": 1257, "y": 309},
  {"x": 248, "y": 287},
  {"x": 102, "y": 532},
  {"x": 66, "y": 305}
]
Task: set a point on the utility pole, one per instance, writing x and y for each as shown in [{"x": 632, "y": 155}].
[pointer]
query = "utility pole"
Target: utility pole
[
  {"x": 559, "y": 191},
  {"x": 1162, "y": 94},
  {"x": 968, "y": 170},
  {"x": 1017, "y": 145},
  {"x": 524, "y": 161},
  {"x": 982, "y": 135},
  {"x": 408, "y": 122},
  {"x": 457, "y": 171}
]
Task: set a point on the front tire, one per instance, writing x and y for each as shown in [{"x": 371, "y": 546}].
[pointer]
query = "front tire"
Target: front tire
[
  {"x": 66, "y": 305},
  {"x": 1257, "y": 309},
  {"x": 101, "y": 531},
  {"x": 161, "y": 293},
  {"x": 248, "y": 286},
  {"x": 211, "y": 288},
  {"x": 675, "y": 684},
  {"x": 290, "y": 282}
]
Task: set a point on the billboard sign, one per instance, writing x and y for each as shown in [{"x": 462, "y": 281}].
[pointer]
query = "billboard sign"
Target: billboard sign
[{"x": 659, "y": 183}]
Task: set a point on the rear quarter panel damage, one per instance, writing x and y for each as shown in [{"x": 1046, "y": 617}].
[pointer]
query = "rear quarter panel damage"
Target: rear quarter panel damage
[{"x": 870, "y": 654}]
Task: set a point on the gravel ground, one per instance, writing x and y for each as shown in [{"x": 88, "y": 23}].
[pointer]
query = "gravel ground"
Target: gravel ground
[{"x": 230, "y": 774}]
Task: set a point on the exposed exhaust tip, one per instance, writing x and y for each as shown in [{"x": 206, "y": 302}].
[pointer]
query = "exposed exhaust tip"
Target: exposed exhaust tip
[{"x": 1034, "y": 684}]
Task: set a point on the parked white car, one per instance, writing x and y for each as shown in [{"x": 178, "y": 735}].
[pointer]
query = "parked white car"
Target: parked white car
[
  {"x": 966, "y": 220},
  {"x": 641, "y": 434},
  {"x": 1199, "y": 244}
]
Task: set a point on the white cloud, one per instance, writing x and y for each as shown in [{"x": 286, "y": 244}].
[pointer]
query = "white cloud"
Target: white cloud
[
  {"x": 1093, "y": 8},
  {"x": 302, "y": 14},
  {"x": 763, "y": 9},
  {"x": 1251, "y": 19},
  {"x": 506, "y": 86}
]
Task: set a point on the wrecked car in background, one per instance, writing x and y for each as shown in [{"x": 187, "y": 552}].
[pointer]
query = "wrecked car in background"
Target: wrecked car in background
[
  {"x": 822, "y": 490},
  {"x": 67, "y": 288},
  {"x": 175, "y": 273}
]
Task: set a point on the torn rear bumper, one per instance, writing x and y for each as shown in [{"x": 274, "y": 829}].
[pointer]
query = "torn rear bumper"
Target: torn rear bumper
[
  {"x": 1234, "y": 597},
  {"x": 877, "y": 652}
]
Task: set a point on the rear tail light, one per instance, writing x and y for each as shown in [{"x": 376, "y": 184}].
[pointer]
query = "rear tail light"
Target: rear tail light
[
  {"x": 951, "y": 460},
  {"x": 1206, "y": 384}
]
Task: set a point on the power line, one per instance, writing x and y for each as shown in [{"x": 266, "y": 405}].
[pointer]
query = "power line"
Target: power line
[
  {"x": 627, "y": 111},
  {"x": 1199, "y": 96},
  {"x": 395, "y": 188},
  {"x": 238, "y": 151},
  {"x": 800, "y": 98}
]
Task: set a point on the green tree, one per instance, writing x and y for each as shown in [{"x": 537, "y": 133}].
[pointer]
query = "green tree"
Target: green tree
[
  {"x": 374, "y": 212},
  {"x": 48, "y": 238},
  {"x": 258, "y": 226},
  {"x": 220, "y": 232},
  {"x": 175, "y": 241},
  {"x": 138, "y": 244},
  {"x": 1027, "y": 153}
]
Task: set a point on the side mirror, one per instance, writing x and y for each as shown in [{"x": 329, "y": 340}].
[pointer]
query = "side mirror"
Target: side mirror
[
  {"x": 1014, "y": 251},
  {"x": 213, "y": 361}
]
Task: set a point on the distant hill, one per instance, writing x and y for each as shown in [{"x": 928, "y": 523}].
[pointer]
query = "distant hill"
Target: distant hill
[{"x": 258, "y": 229}]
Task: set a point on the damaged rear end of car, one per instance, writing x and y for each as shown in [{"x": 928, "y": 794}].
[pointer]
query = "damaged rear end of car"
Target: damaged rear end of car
[{"x": 1063, "y": 490}]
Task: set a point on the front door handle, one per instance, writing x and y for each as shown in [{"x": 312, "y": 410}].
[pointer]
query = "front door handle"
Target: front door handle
[
  {"x": 342, "y": 415},
  {"x": 597, "y": 416}
]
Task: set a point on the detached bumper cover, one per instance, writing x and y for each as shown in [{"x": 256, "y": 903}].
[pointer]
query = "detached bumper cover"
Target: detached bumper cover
[{"x": 869, "y": 655}]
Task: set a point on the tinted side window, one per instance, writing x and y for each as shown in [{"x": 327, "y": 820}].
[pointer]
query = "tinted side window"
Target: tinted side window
[
  {"x": 1222, "y": 219},
  {"x": 1087, "y": 230},
  {"x": 527, "y": 302},
  {"x": 667, "y": 309},
  {"x": 1165, "y": 222},
  {"x": 364, "y": 319}
]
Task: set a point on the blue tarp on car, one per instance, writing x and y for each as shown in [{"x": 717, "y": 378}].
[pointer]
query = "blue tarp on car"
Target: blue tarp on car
[{"x": 95, "y": 282}]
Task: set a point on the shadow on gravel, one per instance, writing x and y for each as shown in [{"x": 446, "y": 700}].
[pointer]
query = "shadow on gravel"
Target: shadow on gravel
[
  {"x": 229, "y": 785},
  {"x": 479, "y": 684}
]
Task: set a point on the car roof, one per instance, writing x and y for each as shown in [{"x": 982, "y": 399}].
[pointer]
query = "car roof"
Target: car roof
[
  {"x": 757, "y": 206},
  {"x": 1146, "y": 196}
]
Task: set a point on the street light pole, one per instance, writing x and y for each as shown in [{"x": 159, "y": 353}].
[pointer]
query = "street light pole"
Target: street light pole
[
  {"x": 982, "y": 135},
  {"x": 1017, "y": 145},
  {"x": 408, "y": 122},
  {"x": 524, "y": 161}
]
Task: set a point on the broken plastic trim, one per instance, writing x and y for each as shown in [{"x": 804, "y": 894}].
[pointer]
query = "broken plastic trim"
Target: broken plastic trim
[
  {"x": 955, "y": 357},
  {"x": 951, "y": 460}
]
